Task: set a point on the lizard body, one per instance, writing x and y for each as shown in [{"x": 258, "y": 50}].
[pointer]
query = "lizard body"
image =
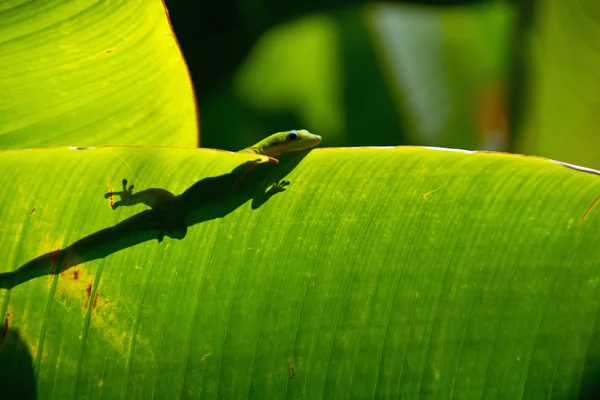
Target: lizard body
[
  {"x": 284, "y": 142},
  {"x": 275, "y": 145}
]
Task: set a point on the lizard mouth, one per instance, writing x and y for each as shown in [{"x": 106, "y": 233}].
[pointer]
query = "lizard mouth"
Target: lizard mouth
[{"x": 312, "y": 141}]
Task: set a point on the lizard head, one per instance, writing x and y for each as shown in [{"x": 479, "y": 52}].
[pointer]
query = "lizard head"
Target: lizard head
[{"x": 289, "y": 141}]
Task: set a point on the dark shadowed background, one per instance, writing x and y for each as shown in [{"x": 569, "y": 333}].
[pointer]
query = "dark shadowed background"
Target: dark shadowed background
[{"x": 518, "y": 76}]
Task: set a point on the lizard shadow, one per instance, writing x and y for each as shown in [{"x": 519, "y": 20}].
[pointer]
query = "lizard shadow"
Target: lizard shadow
[{"x": 169, "y": 215}]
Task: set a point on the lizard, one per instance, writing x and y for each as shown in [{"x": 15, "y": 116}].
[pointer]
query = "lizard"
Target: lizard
[
  {"x": 272, "y": 146},
  {"x": 168, "y": 214},
  {"x": 280, "y": 143},
  {"x": 284, "y": 142},
  {"x": 164, "y": 201}
]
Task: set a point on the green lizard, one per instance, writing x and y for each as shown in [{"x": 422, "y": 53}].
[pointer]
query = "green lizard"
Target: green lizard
[
  {"x": 180, "y": 209},
  {"x": 206, "y": 199},
  {"x": 280, "y": 143},
  {"x": 284, "y": 142},
  {"x": 274, "y": 145}
]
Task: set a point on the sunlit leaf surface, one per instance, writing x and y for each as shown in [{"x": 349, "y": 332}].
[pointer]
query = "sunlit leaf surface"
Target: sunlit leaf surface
[
  {"x": 378, "y": 272},
  {"x": 88, "y": 73}
]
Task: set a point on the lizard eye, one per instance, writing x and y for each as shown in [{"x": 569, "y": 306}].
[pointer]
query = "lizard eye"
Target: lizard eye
[{"x": 293, "y": 135}]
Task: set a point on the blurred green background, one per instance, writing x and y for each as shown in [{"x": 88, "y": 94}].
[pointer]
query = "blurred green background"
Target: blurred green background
[{"x": 507, "y": 75}]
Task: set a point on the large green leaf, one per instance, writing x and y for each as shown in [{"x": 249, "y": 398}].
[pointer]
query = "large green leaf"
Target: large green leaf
[
  {"x": 87, "y": 72},
  {"x": 379, "y": 272}
]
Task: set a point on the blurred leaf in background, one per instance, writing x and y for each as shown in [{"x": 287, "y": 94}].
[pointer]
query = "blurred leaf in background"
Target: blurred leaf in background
[
  {"x": 500, "y": 75},
  {"x": 404, "y": 73},
  {"x": 296, "y": 68},
  {"x": 448, "y": 70},
  {"x": 88, "y": 73},
  {"x": 560, "y": 117}
]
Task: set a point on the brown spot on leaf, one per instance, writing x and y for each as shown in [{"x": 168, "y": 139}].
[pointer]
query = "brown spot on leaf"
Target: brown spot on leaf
[
  {"x": 291, "y": 373},
  {"x": 96, "y": 298},
  {"x": 88, "y": 292},
  {"x": 75, "y": 274},
  {"x": 32, "y": 211},
  {"x": 291, "y": 367},
  {"x": 109, "y": 195}
]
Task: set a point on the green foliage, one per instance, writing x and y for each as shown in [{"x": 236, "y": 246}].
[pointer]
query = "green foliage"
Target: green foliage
[
  {"x": 563, "y": 83},
  {"x": 406, "y": 74},
  {"x": 88, "y": 73},
  {"x": 336, "y": 273}
]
